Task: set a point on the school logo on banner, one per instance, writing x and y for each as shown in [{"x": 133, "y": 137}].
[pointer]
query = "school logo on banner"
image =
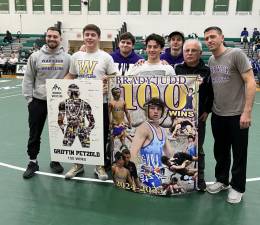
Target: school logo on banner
[
  {"x": 153, "y": 121},
  {"x": 75, "y": 124}
]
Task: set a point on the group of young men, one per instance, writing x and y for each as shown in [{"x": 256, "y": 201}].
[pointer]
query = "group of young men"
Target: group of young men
[{"x": 227, "y": 90}]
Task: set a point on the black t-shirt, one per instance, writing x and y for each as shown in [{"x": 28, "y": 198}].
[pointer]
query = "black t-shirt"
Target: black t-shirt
[{"x": 132, "y": 169}]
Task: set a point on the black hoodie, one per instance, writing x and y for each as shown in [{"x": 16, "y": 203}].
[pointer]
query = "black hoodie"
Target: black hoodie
[{"x": 205, "y": 90}]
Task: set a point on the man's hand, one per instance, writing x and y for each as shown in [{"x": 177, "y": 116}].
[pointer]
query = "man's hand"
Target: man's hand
[
  {"x": 105, "y": 84},
  {"x": 200, "y": 79},
  {"x": 83, "y": 48},
  {"x": 245, "y": 120},
  {"x": 140, "y": 62},
  {"x": 164, "y": 62},
  {"x": 203, "y": 117}
]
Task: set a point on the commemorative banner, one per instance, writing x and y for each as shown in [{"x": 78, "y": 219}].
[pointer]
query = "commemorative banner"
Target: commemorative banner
[
  {"x": 153, "y": 121},
  {"x": 75, "y": 109}
]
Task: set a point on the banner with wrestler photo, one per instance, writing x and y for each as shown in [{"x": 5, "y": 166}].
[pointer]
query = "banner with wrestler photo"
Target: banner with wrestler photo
[
  {"x": 153, "y": 124},
  {"x": 75, "y": 120}
]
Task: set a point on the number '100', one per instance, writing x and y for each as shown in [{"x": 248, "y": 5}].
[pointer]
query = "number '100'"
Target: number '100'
[{"x": 174, "y": 95}]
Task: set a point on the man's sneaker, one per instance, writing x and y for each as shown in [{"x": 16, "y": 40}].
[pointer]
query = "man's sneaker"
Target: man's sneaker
[
  {"x": 75, "y": 169},
  {"x": 101, "y": 173},
  {"x": 56, "y": 167},
  {"x": 216, "y": 187},
  {"x": 31, "y": 169},
  {"x": 201, "y": 185},
  {"x": 234, "y": 196}
]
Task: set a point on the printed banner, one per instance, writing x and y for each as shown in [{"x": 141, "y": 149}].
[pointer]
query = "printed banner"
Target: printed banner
[
  {"x": 75, "y": 109},
  {"x": 153, "y": 121}
]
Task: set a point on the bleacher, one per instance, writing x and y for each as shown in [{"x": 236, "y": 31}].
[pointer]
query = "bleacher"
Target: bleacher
[
  {"x": 24, "y": 43},
  {"x": 230, "y": 42}
]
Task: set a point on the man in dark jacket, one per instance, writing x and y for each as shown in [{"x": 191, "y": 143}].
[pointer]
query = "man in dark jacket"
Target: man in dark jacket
[
  {"x": 193, "y": 64},
  {"x": 125, "y": 55}
]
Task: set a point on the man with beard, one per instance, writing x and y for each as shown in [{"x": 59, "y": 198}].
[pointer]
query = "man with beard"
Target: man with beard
[{"x": 51, "y": 62}]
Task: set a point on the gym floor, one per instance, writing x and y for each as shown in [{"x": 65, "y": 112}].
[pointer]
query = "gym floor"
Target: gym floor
[{"x": 49, "y": 199}]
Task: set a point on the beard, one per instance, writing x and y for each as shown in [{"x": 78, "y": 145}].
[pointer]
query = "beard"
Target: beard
[{"x": 52, "y": 45}]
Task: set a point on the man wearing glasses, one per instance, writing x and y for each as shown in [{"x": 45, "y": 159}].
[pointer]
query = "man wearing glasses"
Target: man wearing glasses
[{"x": 193, "y": 64}]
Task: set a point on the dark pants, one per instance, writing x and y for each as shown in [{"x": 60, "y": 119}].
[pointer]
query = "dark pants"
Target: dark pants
[
  {"x": 37, "y": 116},
  {"x": 201, "y": 155},
  {"x": 107, "y": 153},
  {"x": 227, "y": 133}
]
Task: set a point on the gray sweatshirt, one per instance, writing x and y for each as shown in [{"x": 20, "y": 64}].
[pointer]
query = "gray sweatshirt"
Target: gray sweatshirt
[{"x": 44, "y": 64}]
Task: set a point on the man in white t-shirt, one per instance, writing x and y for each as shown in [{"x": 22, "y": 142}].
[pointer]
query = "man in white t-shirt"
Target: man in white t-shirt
[
  {"x": 153, "y": 66},
  {"x": 92, "y": 63}
]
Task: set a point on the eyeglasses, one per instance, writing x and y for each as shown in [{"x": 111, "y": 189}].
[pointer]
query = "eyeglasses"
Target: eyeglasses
[{"x": 192, "y": 51}]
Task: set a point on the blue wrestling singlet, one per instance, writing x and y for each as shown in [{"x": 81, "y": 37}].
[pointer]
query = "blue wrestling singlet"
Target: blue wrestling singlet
[
  {"x": 151, "y": 158},
  {"x": 152, "y": 153}
]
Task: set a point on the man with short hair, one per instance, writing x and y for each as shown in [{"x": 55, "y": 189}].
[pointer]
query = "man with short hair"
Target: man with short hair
[
  {"x": 234, "y": 92},
  {"x": 174, "y": 54},
  {"x": 50, "y": 62},
  {"x": 125, "y": 55},
  {"x": 244, "y": 36},
  {"x": 255, "y": 35},
  {"x": 93, "y": 63},
  {"x": 153, "y": 66},
  {"x": 193, "y": 64}
]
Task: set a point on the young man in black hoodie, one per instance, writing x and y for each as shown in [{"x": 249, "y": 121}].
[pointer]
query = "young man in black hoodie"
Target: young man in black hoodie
[{"x": 193, "y": 64}]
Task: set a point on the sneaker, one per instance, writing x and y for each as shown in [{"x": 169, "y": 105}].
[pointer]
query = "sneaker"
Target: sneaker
[
  {"x": 31, "y": 169},
  {"x": 75, "y": 169},
  {"x": 201, "y": 185},
  {"x": 234, "y": 196},
  {"x": 101, "y": 173},
  {"x": 216, "y": 187},
  {"x": 56, "y": 167}
]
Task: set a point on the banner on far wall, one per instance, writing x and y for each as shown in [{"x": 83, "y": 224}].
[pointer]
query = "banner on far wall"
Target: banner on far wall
[
  {"x": 20, "y": 68},
  {"x": 153, "y": 123},
  {"x": 75, "y": 109}
]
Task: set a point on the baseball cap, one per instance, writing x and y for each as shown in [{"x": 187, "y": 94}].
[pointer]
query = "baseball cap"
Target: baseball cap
[{"x": 176, "y": 33}]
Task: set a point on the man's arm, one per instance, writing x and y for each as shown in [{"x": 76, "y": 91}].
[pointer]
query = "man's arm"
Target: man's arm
[
  {"x": 29, "y": 79},
  {"x": 61, "y": 116},
  {"x": 250, "y": 85},
  {"x": 138, "y": 140},
  {"x": 167, "y": 148},
  {"x": 127, "y": 116},
  {"x": 110, "y": 108},
  {"x": 89, "y": 115}
]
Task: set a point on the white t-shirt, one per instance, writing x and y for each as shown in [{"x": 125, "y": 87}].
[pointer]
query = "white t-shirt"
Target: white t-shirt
[
  {"x": 3, "y": 61},
  {"x": 13, "y": 61},
  {"x": 148, "y": 69},
  {"x": 92, "y": 65}
]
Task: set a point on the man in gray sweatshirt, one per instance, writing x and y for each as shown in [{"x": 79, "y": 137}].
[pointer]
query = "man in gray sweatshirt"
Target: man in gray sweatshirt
[{"x": 51, "y": 61}]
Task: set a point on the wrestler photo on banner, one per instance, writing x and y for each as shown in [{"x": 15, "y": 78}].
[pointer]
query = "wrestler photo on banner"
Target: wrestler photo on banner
[
  {"x": 153, "y": 133},
  {"x": 75, "y": 125}
]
